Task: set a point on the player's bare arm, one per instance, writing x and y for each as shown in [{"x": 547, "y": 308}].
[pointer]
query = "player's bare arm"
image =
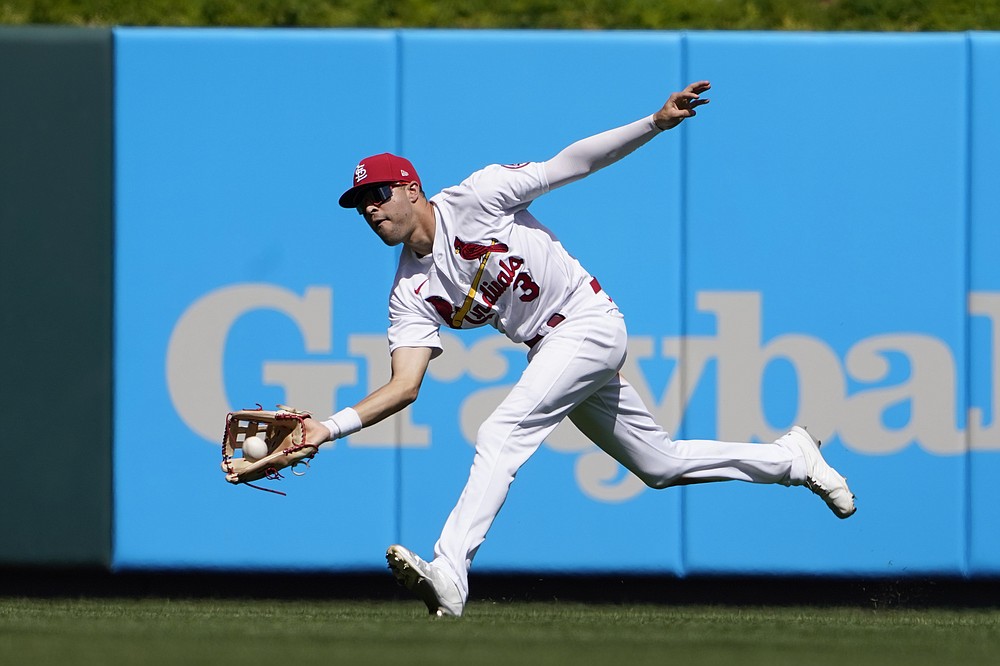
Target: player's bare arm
[
  {"x": 409, "y": 365},
  {"x": 681, "y": 105}
]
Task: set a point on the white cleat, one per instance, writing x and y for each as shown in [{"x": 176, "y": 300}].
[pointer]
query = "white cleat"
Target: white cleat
[
  {"x": 820, "y": 477},
  {"x": 432, "y": 585}
]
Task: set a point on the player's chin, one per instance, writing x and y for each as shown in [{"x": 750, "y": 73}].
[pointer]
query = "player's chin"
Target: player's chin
[
  {"x": 389, "y": 240},
  {"x": 382, "y": 230}
]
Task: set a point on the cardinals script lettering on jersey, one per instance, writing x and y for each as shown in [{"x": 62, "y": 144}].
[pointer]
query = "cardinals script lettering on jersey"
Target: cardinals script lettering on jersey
[{"x": 509, "y": 273}]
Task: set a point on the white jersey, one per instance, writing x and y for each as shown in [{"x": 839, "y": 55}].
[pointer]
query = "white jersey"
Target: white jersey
[{"x": 493, "y": 262}]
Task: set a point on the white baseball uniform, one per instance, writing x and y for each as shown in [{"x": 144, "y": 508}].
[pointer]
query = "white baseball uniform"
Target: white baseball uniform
[{"x": 494, "y": 263}]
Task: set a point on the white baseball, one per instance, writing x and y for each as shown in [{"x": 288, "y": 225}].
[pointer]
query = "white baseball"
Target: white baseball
[{"x": 254, "y": 448}]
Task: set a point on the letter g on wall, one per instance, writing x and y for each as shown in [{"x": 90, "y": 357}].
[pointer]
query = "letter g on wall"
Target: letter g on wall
[{"x": 195, "y": 352}]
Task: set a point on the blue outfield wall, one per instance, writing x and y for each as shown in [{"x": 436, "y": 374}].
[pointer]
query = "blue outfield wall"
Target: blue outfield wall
[{"x": 815, "y": 247}]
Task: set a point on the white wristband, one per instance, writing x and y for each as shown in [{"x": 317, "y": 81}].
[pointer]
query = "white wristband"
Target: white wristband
[{"x": 343, "y": 423}]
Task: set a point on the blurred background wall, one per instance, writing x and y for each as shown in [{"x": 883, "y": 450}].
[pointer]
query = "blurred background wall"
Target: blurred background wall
[{"x": 814, "y": 247}]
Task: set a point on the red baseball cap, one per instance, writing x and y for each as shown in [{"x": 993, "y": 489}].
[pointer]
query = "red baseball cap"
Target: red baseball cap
[{"x": 377, "y": 169}]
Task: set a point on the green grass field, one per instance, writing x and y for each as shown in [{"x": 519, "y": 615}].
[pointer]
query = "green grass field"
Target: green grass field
[{"x": 288, "y": 633}]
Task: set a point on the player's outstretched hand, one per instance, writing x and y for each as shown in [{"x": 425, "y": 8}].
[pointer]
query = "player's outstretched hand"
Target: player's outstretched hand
[
  {"x": 681, "y": 105},
  {"x": 315, "y": 432}
]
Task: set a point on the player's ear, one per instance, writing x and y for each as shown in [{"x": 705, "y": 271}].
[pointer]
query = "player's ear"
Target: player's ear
[{"x": 413, "y": 191}]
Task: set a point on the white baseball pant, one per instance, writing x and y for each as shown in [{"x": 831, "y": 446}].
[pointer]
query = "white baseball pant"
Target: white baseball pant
[{"x": 573, "y": 371}]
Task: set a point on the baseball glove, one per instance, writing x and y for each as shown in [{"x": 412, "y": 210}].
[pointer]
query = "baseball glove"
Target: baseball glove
[{"x": 283, "y": 434}]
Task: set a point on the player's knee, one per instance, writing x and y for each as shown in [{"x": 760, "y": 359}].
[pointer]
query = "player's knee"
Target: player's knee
[
  {"x": 484, "y": 434},
  {"x": 495, "y": 433},
  {"x": 491, "y": 433},
  {"x": 657, "y": 481}
]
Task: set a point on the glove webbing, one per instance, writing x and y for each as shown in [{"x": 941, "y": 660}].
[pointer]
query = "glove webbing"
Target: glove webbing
[{"x": 271, "y": 473}]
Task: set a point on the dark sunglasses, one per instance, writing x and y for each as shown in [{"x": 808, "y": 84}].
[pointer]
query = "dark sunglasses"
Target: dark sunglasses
[{"x": 377, "y": 195}]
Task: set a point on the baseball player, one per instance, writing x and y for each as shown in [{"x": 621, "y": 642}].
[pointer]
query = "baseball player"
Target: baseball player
[{"x": 474, "y": 255}]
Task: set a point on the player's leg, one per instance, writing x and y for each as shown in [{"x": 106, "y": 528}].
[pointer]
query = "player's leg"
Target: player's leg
[
  {"x": 616, "y": 419},
  {"x": 571, "y": 362}
]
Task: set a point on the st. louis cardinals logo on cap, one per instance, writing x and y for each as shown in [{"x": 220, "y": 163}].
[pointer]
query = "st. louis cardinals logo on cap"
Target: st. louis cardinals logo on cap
[
  {"x": 360, "y": 173},
  {"x": 377, "y": 169}
]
